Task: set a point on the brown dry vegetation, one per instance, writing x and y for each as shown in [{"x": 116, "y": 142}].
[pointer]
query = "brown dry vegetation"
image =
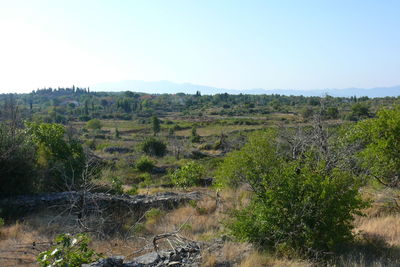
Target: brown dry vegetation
[{"x": 379, "y": 237}]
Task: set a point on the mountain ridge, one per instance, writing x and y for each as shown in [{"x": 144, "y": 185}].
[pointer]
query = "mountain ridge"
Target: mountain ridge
[{"x": 168, "y": 87}]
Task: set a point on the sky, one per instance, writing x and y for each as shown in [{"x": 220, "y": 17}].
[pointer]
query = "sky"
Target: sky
[{"x": 222, "y": 43}]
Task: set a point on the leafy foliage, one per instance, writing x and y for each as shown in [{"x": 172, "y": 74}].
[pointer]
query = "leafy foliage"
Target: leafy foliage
[
  {"x": 156, "y": 125},
  {"x": 94, "y": 124},
  {"x": 154, "y": 147},
  {"x": 194, "y": 136},
  {"x": 145, "y": 164},
  {"x": 61, "y": 159},
  {"x": 298, "y": 207},
  {"x": 18, "y": 170},
  {"x": 70, "y": 251},
  {"x": 188, "y": 175},
  {"x": 381, "y": 146}
]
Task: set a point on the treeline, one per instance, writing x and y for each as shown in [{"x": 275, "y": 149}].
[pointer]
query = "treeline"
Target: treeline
[{"x": 79, "y": 104}]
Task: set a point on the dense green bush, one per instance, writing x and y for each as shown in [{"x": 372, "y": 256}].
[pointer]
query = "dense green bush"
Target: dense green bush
[
  {"x": 299, "y": 207},
  {"x": 154, "y": 147},
  {"x": 379, "y": 137},
  {"x": 61, "y": 160},
  {"x": 188, "y": 175},
  {"x": 18, "y": 169},
  {"x": 145, "y": 164}
]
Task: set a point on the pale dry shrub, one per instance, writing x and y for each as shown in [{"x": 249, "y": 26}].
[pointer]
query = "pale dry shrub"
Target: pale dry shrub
[
  {"x": 290, "y": 263},
  {"x": 206, "y": 206},
  {"x": 208, "y": 259},
  {"x": 233, "y": 251},
  {"x": 255, "y": 259}
]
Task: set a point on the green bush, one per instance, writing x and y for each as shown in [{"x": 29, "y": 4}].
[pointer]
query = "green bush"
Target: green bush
[
  {"x": 94, "y": 124},
  {"x": 116, "y": 186},
  {"x": 154, "y": 147},
  {"x": 297, "y": 207},
  {"x": 188, "y": 175},
  {"x": 133, "y": 191},
  {"x": 61, "y": 160},
  {"x": 194, "y": 137},
  {"x": 379, "y": 138},
  {"x": 70, "y": 251},
  {"x": 145, "y": 164},
  {"x": 18, "y": 168}
]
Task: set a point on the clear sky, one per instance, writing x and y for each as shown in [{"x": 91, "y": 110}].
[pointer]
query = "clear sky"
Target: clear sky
[{"x": 224, "y": 43}]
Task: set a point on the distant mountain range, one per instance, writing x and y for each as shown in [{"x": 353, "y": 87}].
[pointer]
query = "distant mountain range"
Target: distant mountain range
[{"x": 167, "y": 87}]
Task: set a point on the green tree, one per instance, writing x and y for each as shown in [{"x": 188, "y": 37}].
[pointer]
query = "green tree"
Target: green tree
[
  {"x": 194, "y": 137},
  {"x": 18, "y": 168},
  {"x": 154, "y": 147},
  {"x": 188, "y": 175},
  {"x": 360, "y": 111},
  {"x": 379, "y": 138},
  {"x": 156, "y": 125},
  {"x": 61, "y": 159},
  {"x": 295, "y": 207}
]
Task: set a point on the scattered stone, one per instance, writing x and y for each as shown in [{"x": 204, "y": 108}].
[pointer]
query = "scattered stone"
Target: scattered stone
[
  {"x": 22, "y": 205},
  {"x": 186, "y": 256}
]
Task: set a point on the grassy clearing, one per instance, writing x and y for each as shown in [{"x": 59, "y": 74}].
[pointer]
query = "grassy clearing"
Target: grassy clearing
[{"x": 218, "y": 129}]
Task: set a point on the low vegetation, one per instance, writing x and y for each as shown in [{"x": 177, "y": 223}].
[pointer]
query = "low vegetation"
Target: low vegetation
[{"x": 284, "y": 180}]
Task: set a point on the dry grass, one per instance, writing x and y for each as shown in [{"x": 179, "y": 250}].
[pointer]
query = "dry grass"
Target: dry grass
[
  {"x": 204, "y": 225},
  {"x": 19, "y": 245},
  {"x": 208, "y": 259},
  {"x": 233, "y": 251},
  {"x": 255, "y": 259},
  {"x": 218, "y": 129},
  {"x": 386, "y": 227}
]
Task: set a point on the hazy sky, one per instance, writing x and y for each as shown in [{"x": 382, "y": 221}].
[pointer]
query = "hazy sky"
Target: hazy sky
[{"x": 229, "y": 44}]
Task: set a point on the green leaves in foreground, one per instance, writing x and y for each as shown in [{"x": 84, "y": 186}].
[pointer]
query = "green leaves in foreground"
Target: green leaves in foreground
[
  {"x": 298, "y": 207},
  {"x": 71, "y": 251}
]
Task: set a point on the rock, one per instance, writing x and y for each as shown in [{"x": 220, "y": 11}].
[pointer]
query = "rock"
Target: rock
[
  {"x": 116, "y": 261},
  {"x": 22, "y": 205},
  {"x": 188, "y": 255},
  {"x": 150, "y": 259}
]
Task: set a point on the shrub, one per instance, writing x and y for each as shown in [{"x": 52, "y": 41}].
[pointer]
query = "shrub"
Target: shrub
[
  {"x": 188, "y": 175},
  {"x": 154, "y": 147},
  {"x": 194, "y": 137},
  {"x": 94, "y": 124},
  {"x": 379, "y": 137},
  {"x": 61, "y": 160},
  {"x": 69, "y": 251},
  {"x": 297, "y": 207},
  {"x": 153, "y": 215},
  {"x": 133, "y": 191},
  {"x": 145, "y": 164},
  {"x": 18, "y": 169},
  {"x": 146, "y": 180},
  {"x": 116, "y": 186}
]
